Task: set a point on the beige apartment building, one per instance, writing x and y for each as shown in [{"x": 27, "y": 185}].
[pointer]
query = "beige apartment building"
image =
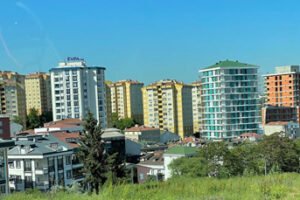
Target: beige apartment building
[
  {"x": 108, "y": 104},
  {"x": 126, "y": 99},
  {"x": 196, "y": 99},
  {"x": 168, "y": 106},
  {"x": 12, "y": 95},
  {"x": 38, "y": 92}
]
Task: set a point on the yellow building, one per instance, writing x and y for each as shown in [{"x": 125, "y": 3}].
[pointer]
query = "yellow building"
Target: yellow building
[
  {"x": 168, "y": 106},
  {"x": 126, "y": 99},
  {"x": 196, "y": 98},
  {"x": 38, "y": 92},
  {"x": 12, "y": 95},
  {"x": 108, "y": 104}
]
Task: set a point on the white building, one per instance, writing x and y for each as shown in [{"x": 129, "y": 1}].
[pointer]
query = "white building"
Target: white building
[
  {"x": 42, "y": 161},
  {"x": 76, "y": 89},
  {"x": 230, "y": 100}
]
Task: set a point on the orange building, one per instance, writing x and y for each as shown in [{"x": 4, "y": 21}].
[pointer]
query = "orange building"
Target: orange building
[{"x": 282, "y": 95}]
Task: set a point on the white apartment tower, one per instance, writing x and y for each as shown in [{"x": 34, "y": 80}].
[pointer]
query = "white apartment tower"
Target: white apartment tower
[{"x": 76, "y": 89}]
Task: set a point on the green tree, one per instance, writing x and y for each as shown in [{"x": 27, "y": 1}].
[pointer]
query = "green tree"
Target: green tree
[
  {"x": 92, "y": 154},
  {"x": 280, "y": 153},
  {"x": 33, "y": 119},
  {"x": 99, "y": 165},
  {"x": 46, "y": 117},
  {"x": 189, "y": 166},
  {"x": 121, "y": 123}
]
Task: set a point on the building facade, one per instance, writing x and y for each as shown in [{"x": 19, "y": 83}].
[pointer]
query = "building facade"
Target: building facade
[
  {"x": 76, "y": 89},
  {"x": 282, "y": 95},
  {"x": 126, "y": 99},
  {"x": 12, "y": 93},
  {"x": 38, "y": 92},
  {"x": 167, "y": 105},
  {"x": 4, "y": 178},
  {"x": 41, "y": 162},
  {"x": 196, "y": 99},
  {"x": 230, "y": 100},
  {"x": 142, "y": 133}
]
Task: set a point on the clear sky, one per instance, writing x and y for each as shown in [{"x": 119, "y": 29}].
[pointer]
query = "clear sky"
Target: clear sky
[{"x": 148, "y": 40}]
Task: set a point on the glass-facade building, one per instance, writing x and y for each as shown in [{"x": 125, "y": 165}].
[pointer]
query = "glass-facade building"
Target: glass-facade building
[{"x": 230, "y": 100}]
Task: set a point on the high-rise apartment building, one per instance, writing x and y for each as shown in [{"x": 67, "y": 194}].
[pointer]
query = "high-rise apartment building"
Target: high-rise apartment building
[
  {"x": 230, "y": 100},
  {"x": 127, "y": 100},
  {"x": 76, "y": 89},
  {"x": 196, "y": 100},
  {"x": 108, "y": 104},
  {"x": 168, "y": 105},
  {"x": 12, "y": 93},
  {"x": 38, "y": 92},
  {"x": 282, "y": 95}
]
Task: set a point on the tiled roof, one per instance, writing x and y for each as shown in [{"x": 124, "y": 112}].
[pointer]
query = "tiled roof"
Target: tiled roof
[
  {"x": 67, "y": 138},
  {"x": 71, "y": 122},
  {"x": 140, "y": 128}
]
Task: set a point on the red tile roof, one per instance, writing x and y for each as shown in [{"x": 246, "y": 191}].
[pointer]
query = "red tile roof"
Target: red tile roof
[
  {"x": 63, "y": 136},
  {"x": 65, "y": 123}
]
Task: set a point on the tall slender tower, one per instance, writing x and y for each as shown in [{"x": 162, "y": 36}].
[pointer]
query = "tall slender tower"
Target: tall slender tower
[
  {"x": 126, "y": 99},
  {"x": 168, "y": 105},
  {"x": 76, "y": 89},
  {"x": 230, "y": 100},
  {"x": 38, "y": 92}
]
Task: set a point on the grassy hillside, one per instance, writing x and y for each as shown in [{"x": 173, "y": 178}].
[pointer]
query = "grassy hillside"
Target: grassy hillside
[{"x": 280, "y": 186}]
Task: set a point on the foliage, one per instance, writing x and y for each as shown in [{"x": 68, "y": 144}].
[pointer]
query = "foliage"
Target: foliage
[
  {"x": 99, "y": 165},
  {"x": 274, "y": 154},
  {"x": 33, "y": 119},
  {"x": 121, "y": 123},
  {"x": 278, "y": 186},
  {"x": 92, "y": 154}
]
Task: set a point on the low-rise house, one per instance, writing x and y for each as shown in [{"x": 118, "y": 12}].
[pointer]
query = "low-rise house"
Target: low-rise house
[
  {"x": 252, "y": 137},
  {"x": 114, "y": 142},
  {"x": 42, "y": 161},
  {"x": 143, "y": 133},
  {"x": 151, "y": 166},
  {"x": 4, "y": 178},
  {"x": 289, "y": 129},
  {"x": 175, "y": 153}
]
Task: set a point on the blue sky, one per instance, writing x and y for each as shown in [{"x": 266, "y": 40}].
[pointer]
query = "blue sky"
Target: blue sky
[{"x": 148, "y": 40}]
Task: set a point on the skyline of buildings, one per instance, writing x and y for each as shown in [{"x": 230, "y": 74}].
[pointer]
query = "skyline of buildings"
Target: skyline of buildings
[{"x": 166, "y": 104}]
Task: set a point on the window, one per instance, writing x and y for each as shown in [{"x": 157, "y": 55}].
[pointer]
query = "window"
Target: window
[
  {"x": 69, "y": 174},
  {"x": 60, "y": 163},
  {"x": 27, "y": 164},
  {"x": 68, "y": 160},
  {"x": 18, "y": 164}
]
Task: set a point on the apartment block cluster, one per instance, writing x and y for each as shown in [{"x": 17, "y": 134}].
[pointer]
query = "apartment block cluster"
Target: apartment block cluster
[{"x": 228, "y": 102}]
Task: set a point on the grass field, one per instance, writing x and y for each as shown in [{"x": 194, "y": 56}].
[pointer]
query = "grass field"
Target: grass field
[{"x": 278, "y": 186}]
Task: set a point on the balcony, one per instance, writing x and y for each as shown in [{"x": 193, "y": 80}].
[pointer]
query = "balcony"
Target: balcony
[{"x": 41, "y": 170}]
